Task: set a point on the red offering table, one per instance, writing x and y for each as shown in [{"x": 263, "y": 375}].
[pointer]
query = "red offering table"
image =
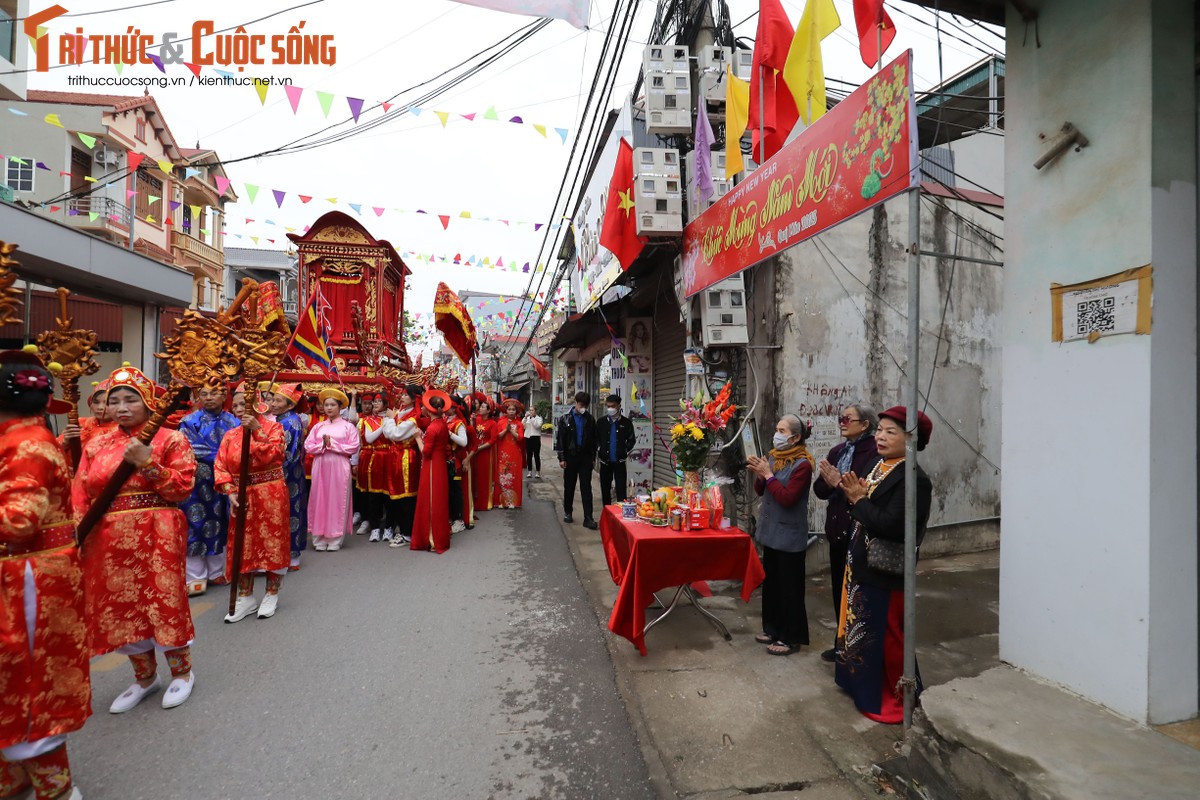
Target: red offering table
[{"x": 643, "y": 559}]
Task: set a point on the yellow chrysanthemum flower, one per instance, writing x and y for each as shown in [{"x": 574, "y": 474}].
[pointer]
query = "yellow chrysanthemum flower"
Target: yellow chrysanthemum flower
[
  {"x": 677, "y": 430},
  {"x": 697, "y": 434}
]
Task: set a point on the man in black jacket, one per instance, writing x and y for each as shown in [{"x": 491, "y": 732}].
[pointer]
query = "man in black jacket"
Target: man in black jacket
[
  {"x": 575, "y": 443},
  {"x": 614, "y": 440}
]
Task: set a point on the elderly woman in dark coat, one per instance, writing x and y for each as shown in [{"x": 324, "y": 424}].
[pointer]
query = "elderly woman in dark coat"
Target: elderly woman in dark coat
[
  {"x": 856, "y": 454},
  {"x": 870, "y": 660},
  {"x": 783, "y": 481}
]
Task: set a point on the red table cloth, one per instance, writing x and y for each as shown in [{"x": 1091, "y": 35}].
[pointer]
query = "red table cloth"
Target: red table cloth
[{"x": 643, "y": 559}]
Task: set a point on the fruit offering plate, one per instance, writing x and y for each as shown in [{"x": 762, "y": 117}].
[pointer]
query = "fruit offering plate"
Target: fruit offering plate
[{"x": 657, "y": 523}]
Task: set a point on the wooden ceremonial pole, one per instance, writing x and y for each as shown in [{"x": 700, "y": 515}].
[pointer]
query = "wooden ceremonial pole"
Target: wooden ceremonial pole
[{"x": 243, "y": 487}]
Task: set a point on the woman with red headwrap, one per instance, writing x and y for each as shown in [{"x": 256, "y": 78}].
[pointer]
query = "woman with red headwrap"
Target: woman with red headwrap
[
  {"x": 510, "y": 454},
  {"x": 44, "y": 689},
  {"x": 483, "y": 462},
  {"x": 133, "y": 561},
  {"x": 431, "y": 524}
]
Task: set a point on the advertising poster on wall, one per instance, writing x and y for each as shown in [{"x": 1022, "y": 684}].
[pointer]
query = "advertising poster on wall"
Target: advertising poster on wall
[{"x": 639, "y": 403}]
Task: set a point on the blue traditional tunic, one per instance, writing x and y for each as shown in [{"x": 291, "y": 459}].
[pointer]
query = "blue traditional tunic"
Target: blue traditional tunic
[
  {"x": 293, "y": 473},
  {"x": 207, "y": 510}
]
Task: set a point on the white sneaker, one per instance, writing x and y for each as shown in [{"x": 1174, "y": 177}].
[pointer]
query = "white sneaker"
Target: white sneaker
[
  {"x": 320, "y": 546},
  {"x": 538, "y": 476},
  {"x": 458, "y": 527},
  {"x": 334, "y": 546},
  {"x": 75, "y": 794},
  {"x": 244, "y": 607},
  {"x": 528, "y": 474},
  {"x": 357, "y": 518},
  {"x": 267, "y": 607},
  {"x": 179, "y": 690},
  {"x": 374, "y": 536},
  {"x": 363, "y": 527},
  {"x": 388, "y": 536},
  {"x": 133, "y": 695},
  {"x": 398, "y": 542}
]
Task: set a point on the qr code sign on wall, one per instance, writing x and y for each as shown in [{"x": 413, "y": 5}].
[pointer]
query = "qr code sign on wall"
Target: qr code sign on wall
[
  {"x": 1102, "y": 310},
  {"x": 1096, "y": 315}
]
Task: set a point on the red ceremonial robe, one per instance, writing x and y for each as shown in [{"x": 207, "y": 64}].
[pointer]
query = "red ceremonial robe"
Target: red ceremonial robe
[
  {"x": 373, "y": 457},
  {"x": 44, "y": 689},
  {"x": 267, "y": 543},
  {"x": 463, "y": 468},
  {"x": 404, "y": 461},
  {"x": 510, "y": 459},
  {"x": 133, "y": 561},
  {"x": 483, "y": 464},
  {"x": 431, "y": 525}
]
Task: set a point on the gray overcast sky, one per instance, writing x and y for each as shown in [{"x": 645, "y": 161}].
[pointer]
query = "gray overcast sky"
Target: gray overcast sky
[{"x": 490, "y": 169}]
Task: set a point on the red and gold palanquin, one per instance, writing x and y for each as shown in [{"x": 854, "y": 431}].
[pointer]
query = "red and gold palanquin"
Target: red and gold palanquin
[
  {"x": 44, "y": 690},
  {"x": 133, "y": 561},
  {"x": 643, "y": 559},
  {"x": 266, "y": 546}
]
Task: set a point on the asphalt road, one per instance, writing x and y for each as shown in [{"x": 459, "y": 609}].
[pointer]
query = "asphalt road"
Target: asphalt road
[{"x": 386, "y": 673}]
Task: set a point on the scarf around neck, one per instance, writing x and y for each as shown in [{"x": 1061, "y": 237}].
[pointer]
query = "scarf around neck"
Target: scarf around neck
[{"x": 782, "y": 458}]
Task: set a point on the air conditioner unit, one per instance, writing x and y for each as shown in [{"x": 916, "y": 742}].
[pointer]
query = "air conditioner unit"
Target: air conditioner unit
[
  {"x": 723, "y": 314},
  {"x": 108, "y": 158}
]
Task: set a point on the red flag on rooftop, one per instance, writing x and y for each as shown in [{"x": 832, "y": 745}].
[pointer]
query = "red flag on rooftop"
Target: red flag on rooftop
[
  {"x": 772, "y": 108},
  {"x": 619, "y": 233},
  {"x": 875, "y": 30},
  {"x": 542, "y": 371}
]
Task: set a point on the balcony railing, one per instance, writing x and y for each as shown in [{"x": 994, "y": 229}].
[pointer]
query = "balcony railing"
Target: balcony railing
[
  {"x": 103, "y": 207},
  {"x": 192, "y": 245},
  {"x": 289, "y": 307}
]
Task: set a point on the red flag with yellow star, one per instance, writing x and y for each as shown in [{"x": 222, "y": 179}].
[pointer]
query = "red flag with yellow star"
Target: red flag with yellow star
[{"x": 619, "y": 234}]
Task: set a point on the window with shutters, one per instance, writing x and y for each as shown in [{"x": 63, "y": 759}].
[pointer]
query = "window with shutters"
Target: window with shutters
[{"x": 148, "y": 187}]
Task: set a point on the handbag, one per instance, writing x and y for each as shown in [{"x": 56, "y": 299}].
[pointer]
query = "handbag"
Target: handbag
[{"x": 885, "y": 556}]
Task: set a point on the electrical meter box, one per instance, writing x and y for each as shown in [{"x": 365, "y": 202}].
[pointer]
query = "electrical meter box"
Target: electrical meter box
[
  {"x": 668, "y": 74},
  {"x": 711, "y": 63},
  {"x": 743, "y": 64},
  {"x": 723, "y": 314},
  {"x": 658, "y": 192},
  {"x": 720, "y": 185}
]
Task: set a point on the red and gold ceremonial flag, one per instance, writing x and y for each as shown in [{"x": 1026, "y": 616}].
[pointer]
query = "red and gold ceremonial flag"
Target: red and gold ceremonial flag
[
  {"x": 619, "y": 233},
  {"x": 451, "y": 318},
  {"x": 310, "y": 342}
]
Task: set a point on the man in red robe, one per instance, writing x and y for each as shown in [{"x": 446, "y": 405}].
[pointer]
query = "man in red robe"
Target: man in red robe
[{"x": 266, "y": 546}]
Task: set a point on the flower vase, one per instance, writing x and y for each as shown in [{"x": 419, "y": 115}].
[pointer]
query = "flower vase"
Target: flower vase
[{"x": 691, "y": 483}]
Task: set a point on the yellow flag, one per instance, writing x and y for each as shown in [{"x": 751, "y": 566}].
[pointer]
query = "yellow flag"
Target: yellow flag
[
  {"x": 737, "y": 114},
  {"x": 803, "y": 71}
]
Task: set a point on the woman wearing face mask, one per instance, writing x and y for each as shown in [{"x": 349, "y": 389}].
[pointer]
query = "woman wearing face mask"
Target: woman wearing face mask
[
  {"x": 133, "y": 562},
  {"x": 510, "y": 453},
  {"x": 870, "y": 658},
  {"x": 783, "y": 481}
]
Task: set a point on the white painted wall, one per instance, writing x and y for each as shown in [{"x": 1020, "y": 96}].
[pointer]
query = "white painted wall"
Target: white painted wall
[{"x": 1098, "y": 546}]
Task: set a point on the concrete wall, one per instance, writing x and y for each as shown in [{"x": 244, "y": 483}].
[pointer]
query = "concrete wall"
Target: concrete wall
[
  {"x": 1098, "y": 561},
  {"x": 840, "y": 304}
]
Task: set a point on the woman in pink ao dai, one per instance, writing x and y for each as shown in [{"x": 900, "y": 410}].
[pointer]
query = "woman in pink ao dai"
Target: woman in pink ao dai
[{"x": 331, "y": 442}]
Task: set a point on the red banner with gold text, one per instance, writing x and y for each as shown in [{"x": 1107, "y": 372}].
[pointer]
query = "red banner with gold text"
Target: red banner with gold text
[{"x": 861, "y": 153}]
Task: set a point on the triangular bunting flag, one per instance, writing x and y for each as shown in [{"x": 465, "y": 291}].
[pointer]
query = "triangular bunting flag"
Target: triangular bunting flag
[
  {"x": 165, "y": 166},
  {"x": 175, "y": 204},
  {"x": 326, "y": 101},
  {"x": 293, "y": 95},
  {"x": 190, "y": 172},
  {"x": 445, "y": 218},
  {"x": 92, "y": 216},
  {"x": 517, "y": 120},
  {"x": 129, "y": 195},
  {"x": 378, "y": 211},
  {"x": 304, "y": 198},
  {"x": 156, "y": 61},
  {"x": 386, "y": 106},
  {"x": 278, "y": 197},
  {"x": 415, "y": 110},
  {"x": 563, "y": 133},
  {"x": 443, "y": 116},
  {"x": 332, "y": 200},
  {"x": 357, "y": 208},
  {"x": 90, "y": 141},
  {"x": 468, "y": 117},
  {"x": 260, "y": 88},
  {"x": 356, "y": 105},
  {"x": 254, "y": 239},
  {"x": 465, "y": 215},
  {"x": 222, "y": 183},
  {"x": 54, "y": 208},
  {"x": 540, "y": 129},
  {"x": 153, "y": 198},
  {"x": 52, "y": 119},
  {"x": 195, "y": 68},
  {"x": 251, "y": 191}
]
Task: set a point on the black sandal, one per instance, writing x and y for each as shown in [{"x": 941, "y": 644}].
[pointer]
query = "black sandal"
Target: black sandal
[
  {"x": 764, "y": 638},
  {"x": 782, "y": 649}
]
